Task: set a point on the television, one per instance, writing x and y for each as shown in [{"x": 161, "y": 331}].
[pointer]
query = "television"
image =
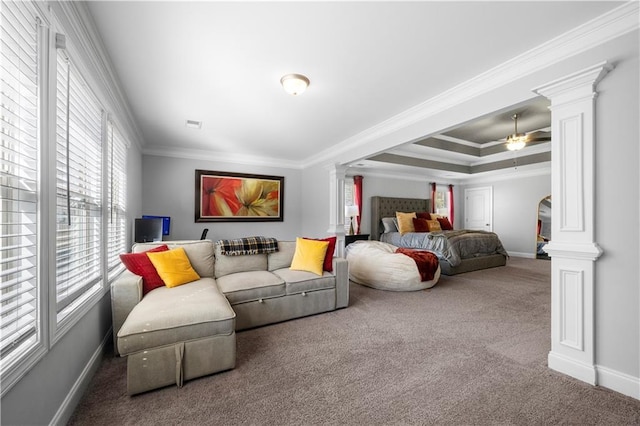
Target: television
[
  {"x": 148, "y": 230},
  {"x": 166, "y": 222}
]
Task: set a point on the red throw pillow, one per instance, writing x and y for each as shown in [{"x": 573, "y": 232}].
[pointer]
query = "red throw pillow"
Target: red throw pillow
[
  {"x": 421, "y": 225},
  {"x": 328, "y": 258},
  {"x": 423, "y": 215},
  {"x": 445, "y": 224},
  {"x": 139, "y": 264}
]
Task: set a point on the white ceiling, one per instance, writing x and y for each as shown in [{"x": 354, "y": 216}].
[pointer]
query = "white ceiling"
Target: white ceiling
[{"x": 221, "y": 63}]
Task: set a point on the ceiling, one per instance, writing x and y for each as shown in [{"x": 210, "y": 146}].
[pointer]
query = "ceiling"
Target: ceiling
[{"x": 221, "y": 63}]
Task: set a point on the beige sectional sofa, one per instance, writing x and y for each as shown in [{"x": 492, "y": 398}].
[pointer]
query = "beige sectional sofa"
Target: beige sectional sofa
[{"x": 180, "y": 333}]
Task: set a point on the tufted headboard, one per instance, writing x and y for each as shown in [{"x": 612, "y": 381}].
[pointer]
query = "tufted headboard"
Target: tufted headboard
[{"x": 388, "y": 206}]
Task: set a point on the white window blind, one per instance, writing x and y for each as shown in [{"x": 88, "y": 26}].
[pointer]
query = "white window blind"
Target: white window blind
[
  {"x": 78, "y": 190},
  {"x": 19, "y": 325},
  {"x": 117, "y": 199}
]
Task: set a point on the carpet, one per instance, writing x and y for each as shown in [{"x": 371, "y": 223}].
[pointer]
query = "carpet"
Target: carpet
[{"x": 470, "y": 351}]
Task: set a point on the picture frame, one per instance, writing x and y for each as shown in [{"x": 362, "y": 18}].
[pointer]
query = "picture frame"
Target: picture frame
[{"x": 238, "y": 197}]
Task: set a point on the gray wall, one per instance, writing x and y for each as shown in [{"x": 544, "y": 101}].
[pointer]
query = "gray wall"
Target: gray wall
[
  {"x": 515, "y": 210},
  {"x": 617, "y": 213},
  {"x": 168, "y": 189}
]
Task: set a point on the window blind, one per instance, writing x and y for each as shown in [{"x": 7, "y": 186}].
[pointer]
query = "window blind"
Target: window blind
[
  {"x": 78, "y": 189},
  {"x": 19, "y": 326},
  {"x": 117, "y": 190}
]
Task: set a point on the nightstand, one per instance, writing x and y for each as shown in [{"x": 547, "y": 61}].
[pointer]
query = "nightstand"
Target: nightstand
[{"x": 348, "y": 239}]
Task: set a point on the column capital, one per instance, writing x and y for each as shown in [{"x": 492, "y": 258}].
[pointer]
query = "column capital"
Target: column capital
[{"x": 581, "y": 81}]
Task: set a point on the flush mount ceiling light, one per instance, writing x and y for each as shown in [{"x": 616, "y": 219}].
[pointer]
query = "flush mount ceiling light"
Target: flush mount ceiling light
[
  {"x": 516, "y": 141},
  {"x": 294, "y": 84}
]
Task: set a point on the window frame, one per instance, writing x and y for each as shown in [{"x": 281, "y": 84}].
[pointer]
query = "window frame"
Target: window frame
[
  {"x": 19, "y": 366},
  {"x": 49, "y": 330}
]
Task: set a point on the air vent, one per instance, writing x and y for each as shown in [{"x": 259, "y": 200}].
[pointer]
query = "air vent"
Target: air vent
[{"x": 193, "y": 124}]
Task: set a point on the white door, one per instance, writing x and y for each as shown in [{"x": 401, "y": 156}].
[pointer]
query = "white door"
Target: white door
[{"x": 478, "y": 208}]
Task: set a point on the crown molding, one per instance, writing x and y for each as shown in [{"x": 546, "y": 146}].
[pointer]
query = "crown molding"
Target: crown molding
[
  {"x": 400, "y": 176},
  {"x": 86, "y": 45},
  {"x": 531, "y": 170},
  {"x": 196, "y": 154},
  {"x": 599, "y": 30}
]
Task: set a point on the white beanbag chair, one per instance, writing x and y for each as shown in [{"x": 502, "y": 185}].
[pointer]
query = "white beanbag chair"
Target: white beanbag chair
[{"x": 376, "y": 264}]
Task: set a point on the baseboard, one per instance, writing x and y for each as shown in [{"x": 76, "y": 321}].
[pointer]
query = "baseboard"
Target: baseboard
[
  {"x": 573, "y": 368},
  {"x": 80, "y": 386},
  {"x": 521, "y": 254},
  {"x": 619, "y": 382}
]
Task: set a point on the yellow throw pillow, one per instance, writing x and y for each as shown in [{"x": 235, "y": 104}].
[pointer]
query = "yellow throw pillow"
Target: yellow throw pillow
[
  {"x": 434, "y": 225},
  {"x": 405, "y": 222},
  {"x": 435, "y": 216},
  {"x": 173, "y": 266},
  {"x": 309, "y": 255}
]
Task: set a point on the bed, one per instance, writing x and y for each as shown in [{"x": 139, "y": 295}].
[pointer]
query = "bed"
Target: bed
[{"x": 458, "y": 251}]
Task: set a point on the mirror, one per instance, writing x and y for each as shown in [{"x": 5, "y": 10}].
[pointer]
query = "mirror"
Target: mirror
[{"x": 543, "y": 227}]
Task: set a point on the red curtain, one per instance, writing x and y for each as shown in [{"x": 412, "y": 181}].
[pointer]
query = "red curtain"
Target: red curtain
[
  {"x": 433, "y": 197},
  {"x": 451, "y": 204},
  {"x": 357, "y": 198}
]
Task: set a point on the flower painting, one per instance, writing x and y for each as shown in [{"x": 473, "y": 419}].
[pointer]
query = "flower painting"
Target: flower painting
[{"x": 236, "y": 197}]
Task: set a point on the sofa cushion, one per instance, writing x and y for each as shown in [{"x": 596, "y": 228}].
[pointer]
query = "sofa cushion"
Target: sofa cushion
[
  {"x": 299, "y": 281},
  {"x": 170, "y": 315},
  {"x": 199, "y": 252},
  {"x": 309, "y": 255},
  {"x": 283, "y": 257},
  {"x": 328, "y": 257},
  {"x": 139, "y": 264},
  {"x": 249, "y": 286},
  {"x": 226, "y": 265},
  {"x": 174, "y": 267}
]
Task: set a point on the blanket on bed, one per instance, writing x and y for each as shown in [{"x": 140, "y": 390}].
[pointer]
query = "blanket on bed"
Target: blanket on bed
[
  {"x": 452, "y": 246},
  {"x": 426, "y": 262},
  {"x": 248, "y": 245}
]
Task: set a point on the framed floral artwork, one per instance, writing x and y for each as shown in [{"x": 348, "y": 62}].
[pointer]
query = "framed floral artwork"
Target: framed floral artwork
[{"x": 238, "y": 197}]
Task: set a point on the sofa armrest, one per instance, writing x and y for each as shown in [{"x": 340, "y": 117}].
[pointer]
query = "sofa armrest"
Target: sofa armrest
[
  {"x": 341, "y": 271},
  {"x": 126, "y": 292}
]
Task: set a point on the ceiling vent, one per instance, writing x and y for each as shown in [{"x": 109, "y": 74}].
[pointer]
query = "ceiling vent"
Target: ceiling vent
[{"x": 193, "y": 124}]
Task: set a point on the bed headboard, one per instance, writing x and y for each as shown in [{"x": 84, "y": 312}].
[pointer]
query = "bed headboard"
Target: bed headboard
[{"x": 388, "y": 206}]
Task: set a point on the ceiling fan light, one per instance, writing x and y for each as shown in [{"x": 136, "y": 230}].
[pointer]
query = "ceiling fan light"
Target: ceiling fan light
[
  {"x": 294, "y": 84},
  {"x": 516, "y": 141}
]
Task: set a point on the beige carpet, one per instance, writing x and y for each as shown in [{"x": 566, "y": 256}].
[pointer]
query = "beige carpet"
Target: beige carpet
[{"x": 471, "y": 350}]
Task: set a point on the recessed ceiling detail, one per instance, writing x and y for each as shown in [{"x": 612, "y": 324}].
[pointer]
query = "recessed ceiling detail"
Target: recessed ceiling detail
[{"x": 478, "y": 146}]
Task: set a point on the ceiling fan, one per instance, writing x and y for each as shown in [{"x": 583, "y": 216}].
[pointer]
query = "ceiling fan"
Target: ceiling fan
[{"x": 516, "y": 141}]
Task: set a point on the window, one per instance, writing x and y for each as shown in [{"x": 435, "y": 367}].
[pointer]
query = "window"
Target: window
[
  {"x": 78, "y": 190},
  {"x": 84, "y": 159},
  {"x": 19, "y": 156},
  {"x": 117, "y": 200},
  {"x": 348, "y": 201},
  {"x": 441, "y": 203}
]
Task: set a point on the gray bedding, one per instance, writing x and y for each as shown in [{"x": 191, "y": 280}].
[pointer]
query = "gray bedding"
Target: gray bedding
[{"x": 452, "y": 246}]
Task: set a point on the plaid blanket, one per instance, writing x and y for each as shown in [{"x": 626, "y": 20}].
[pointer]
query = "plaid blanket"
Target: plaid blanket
[{"x": 248, "y": 245}]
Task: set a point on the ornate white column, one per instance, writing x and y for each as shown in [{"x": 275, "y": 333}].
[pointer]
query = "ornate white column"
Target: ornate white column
[
  {"x": 336, "y": 205},
  {"x": 572, "y": 248}
]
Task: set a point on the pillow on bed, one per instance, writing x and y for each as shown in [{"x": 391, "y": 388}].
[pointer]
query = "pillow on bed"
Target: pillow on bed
[
  {"x": 389, "y": 224},
  {"x": 423, "y": 215},
  {"x": 433, "y": 225},
  {"x": 445, "y": 224},
  {"x": 420, "y": 225},
  {"x": 434, "y": 216},
  {"x": 405, "y": 222}
]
